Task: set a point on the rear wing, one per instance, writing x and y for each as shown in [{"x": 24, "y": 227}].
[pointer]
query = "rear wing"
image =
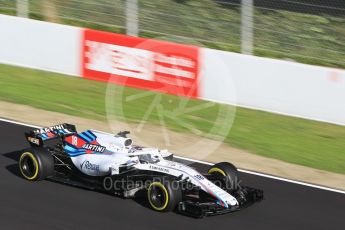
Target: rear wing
[{"x": 37, "y": 137}]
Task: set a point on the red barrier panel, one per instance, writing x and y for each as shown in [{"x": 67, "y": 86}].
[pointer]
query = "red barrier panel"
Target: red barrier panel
[{"x": 138, "y": 62}]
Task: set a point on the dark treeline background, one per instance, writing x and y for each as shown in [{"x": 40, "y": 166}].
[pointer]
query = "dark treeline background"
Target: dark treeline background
[{"x": 332, "y": 7}]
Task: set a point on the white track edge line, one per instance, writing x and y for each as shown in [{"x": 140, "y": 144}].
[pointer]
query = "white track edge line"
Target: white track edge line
[
  {"x": 208, "y": 163},
  {"x": 270, "y": 176},
  {"x": 19, "y": 123}
]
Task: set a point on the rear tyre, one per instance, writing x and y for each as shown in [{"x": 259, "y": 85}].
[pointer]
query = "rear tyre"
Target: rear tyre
[
  {"x": 164, "y": 197},
  {"x": 36, "y": 164},
  {"x": 228, "y": 172}
]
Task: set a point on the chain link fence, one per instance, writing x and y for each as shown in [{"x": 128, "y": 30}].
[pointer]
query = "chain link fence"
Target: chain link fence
[{"x": 307, "y": 31}]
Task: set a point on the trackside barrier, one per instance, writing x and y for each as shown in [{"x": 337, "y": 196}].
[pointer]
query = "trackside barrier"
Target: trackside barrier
[
  {"x": 277, "y": 86},
  {"x": 40, "y": 45},
  {"x": 294, "y": 89},
  {"x": 139, "y": 62}
]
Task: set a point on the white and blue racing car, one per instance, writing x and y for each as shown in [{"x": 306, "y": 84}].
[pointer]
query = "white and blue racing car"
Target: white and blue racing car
[{"x": 112, "y": 163}]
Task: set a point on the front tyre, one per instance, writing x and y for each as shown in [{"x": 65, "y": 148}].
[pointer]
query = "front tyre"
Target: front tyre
[
  {"x": 36, "y": 164},
  {"x": 164, "y": 197},
  {"x": 228, "y": 172}
]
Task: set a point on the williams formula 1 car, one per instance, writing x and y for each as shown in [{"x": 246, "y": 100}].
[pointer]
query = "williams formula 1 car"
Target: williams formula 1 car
[{"x": 112, "y": 163}]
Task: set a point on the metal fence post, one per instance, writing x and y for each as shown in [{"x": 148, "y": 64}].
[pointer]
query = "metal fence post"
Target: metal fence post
[
  {"x": 23, "y": 8},
  {"x": 132, "y": 17},
  {"x": 247, "y": 26}
]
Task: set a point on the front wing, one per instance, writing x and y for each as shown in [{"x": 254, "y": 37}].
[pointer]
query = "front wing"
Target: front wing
[{"x": 246, "y": 197}]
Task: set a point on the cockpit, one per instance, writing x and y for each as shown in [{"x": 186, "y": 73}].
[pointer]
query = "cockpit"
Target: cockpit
[{"x": 148, "y": 158}]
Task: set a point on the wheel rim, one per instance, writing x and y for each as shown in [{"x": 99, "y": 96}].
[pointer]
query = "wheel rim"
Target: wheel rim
[
  {"x": 158, "y": 196},
  {"x": 28, "y": 166}
]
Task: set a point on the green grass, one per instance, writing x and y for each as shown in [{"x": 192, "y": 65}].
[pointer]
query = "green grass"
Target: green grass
[{"x": 299, "y": 141}]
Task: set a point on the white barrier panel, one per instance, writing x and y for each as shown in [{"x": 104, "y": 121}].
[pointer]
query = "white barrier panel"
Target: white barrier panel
[
  {"x": 40, "y": 45},
  {"x": 283, "y": 87},
  {"x": 272, "y": 85}
]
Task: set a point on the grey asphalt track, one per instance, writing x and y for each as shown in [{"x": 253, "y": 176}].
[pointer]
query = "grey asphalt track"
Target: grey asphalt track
[{"x": 49, "y": 205}]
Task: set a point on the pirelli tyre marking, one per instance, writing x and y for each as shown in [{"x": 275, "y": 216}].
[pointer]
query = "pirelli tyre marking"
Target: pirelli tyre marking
[
  {"x": 216, "y": 170},
  {"x": 28, "y": 162},
  {"x": 158, "y": 196}
]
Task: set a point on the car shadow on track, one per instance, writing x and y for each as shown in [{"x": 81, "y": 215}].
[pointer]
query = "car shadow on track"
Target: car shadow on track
[
  {"x": 13, "y": 168},
  {"x": 140, "y": 198},
  {"x": 13, "y": 155}
]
